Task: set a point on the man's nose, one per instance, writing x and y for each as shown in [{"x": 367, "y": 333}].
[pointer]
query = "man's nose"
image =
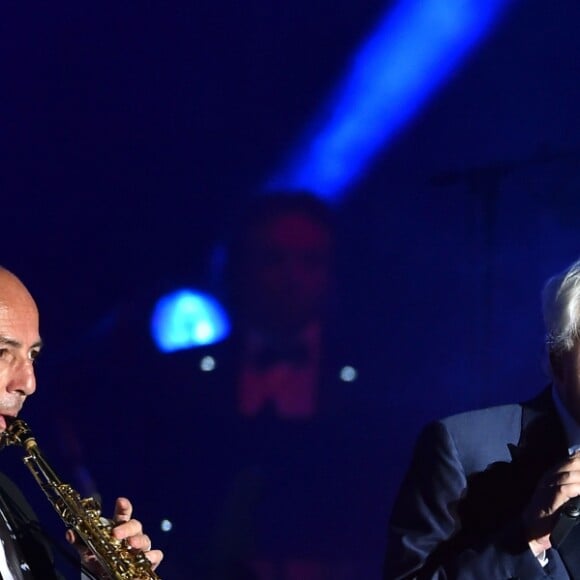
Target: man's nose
[{"x": 23, "y": 380}]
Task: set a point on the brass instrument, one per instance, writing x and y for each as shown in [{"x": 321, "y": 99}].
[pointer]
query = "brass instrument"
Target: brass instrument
[{"x": 82, "y": 515}]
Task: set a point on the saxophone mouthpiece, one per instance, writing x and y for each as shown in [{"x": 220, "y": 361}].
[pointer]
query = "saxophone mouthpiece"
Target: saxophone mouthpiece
[
  {"x": 15, "y": 432},
  {"x": 5, "y": 422}
]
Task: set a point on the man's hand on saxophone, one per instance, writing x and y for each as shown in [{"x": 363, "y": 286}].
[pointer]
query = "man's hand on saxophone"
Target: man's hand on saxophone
[
  {"x": 126, "y": 529},
  {"x": 131, "y": 530}
]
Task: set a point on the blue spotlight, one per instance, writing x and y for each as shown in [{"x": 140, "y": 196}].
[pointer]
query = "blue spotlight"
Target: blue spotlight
[
  {"x": 186, "y": 319},
  {"x": 415, "y": 47}
]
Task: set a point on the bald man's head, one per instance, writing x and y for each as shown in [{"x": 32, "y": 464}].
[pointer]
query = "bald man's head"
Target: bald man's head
[
  {"x": 19, "y": 344},
  {"x": 12, "y": 288}
]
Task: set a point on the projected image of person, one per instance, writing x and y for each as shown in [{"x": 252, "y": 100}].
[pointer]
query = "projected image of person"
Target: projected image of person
[
  {"x": 279, "y": 422},
  {"x": 490, "y": 493},
  {"x": 283, "y": 279},
  {"x": 24, "y": 549}
]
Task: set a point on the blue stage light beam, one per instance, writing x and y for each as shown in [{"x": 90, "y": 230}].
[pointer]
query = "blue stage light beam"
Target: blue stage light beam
[
  {"x": 186, "y": 319},
  {"x": 415, "y": 48}
]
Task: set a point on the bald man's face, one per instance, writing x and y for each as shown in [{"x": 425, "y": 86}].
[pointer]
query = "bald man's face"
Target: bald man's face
[{"x": 19, "y": 345}]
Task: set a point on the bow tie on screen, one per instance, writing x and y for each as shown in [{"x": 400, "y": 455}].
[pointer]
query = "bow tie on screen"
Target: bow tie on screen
[{"x": 294, "y": 353}]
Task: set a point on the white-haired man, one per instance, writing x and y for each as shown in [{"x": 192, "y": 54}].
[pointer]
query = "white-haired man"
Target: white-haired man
[
  {"x": 23, "y": 551},
  {"x": 489, "y": 492}
]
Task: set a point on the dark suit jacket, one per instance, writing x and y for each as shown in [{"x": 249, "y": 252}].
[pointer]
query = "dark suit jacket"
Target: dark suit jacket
[
  {"x": 458, "y": 511},
  {"x": 23, "y": 520}
]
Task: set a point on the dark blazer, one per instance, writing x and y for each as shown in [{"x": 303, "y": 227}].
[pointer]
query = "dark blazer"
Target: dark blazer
[
  {"x": 33, "y": 544},
  {"x": 458, "y": 511}
]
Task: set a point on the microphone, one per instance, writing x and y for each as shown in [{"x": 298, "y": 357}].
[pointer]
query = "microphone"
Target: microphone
[{"x": 569, "y": 517}]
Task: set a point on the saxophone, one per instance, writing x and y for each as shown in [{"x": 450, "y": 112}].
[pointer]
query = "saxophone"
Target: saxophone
[{"x": 82, "y": 515}]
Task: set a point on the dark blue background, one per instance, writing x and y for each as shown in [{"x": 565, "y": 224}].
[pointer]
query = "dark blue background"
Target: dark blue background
[{"x": 132, "y": 131}]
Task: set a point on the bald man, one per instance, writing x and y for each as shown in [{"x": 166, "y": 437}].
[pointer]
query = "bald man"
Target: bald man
[{"x": 23, "y": 552}]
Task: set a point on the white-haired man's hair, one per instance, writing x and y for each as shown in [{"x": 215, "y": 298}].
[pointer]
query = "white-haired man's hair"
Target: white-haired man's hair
[{"x": 561, "y": 307}]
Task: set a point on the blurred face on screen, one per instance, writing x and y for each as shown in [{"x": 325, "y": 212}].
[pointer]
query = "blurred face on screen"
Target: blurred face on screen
[
  {"x": 288, "y": 272},
  {"x": 19, "y": 345}
]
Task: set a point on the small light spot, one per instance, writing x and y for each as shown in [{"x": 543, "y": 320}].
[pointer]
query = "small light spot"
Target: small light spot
[
  {"x": 166, "y": 526},
  {"x": 207, "y": 364},
  {"x": 348, "y": 374}
]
